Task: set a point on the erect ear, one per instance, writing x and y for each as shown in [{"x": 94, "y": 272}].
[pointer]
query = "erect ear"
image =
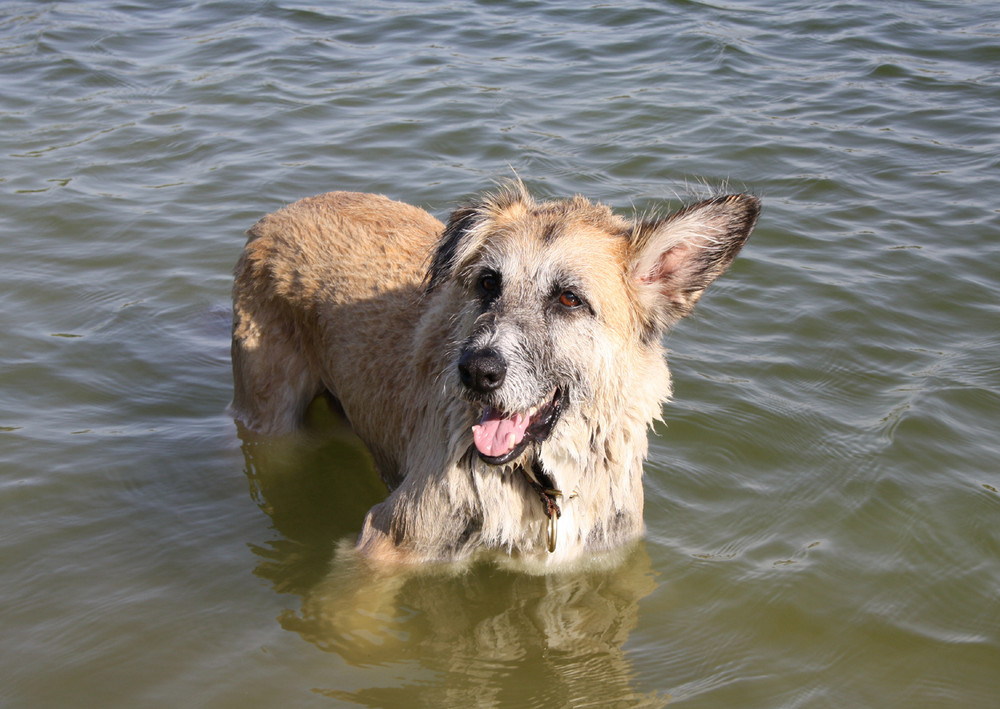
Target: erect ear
[
  {"x": 446, "y": 251},
  {"x": 465, "y": 231},
  {"x": 675, "y": 259}
]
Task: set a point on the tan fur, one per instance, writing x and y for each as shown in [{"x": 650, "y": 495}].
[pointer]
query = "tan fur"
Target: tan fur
[{"x": 375, "y": 302}]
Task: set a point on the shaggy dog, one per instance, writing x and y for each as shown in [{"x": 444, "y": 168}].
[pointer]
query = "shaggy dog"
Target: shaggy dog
[{"x": 502, "y": 369}]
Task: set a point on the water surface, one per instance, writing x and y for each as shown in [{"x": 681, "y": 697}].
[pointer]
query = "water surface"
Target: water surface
[{"x": 822, "y": 501}]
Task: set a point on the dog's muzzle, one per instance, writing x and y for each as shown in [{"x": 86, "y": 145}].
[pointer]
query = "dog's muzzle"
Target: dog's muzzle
[{"x": 501, "y": 436}]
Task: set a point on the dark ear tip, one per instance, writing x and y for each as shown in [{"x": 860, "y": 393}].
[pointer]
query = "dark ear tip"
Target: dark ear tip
[
  {"x": 747, "y": 206},
  {"x": 747, "y": 201},
  {"x": 735, "y": 203}
]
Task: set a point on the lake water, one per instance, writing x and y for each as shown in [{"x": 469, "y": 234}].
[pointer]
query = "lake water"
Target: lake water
[{"x": 822, "y": 504}]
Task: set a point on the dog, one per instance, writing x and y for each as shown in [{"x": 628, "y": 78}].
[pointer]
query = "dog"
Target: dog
[{"x": 502, "y": 369}]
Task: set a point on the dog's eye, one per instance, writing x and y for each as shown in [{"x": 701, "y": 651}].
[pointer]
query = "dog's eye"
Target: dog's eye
[
  {"x": 489, "y": 283},
  {"x": 569, "y": 299}
]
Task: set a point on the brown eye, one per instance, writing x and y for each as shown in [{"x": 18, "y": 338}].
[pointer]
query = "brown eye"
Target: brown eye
[
  {"x": 570, "y": 299},
  {"x": 489, "y": 283}
]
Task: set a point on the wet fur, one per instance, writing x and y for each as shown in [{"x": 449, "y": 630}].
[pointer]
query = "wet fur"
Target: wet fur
[{"x": 374, "y": 301}]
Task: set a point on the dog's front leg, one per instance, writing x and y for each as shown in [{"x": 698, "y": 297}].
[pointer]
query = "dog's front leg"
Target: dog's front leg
[
  {"x": 376, "y": 541},
  {"x": 422, "y": 520}
]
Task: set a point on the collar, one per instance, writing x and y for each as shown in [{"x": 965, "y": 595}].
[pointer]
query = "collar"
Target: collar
[{"x": 541, "y": 482}]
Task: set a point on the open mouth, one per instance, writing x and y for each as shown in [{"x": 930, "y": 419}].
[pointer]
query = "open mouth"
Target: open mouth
[{"x": 500, "y": 437}]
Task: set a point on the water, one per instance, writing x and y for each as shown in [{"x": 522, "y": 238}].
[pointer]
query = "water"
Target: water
[{"x": 822, "y": 504}]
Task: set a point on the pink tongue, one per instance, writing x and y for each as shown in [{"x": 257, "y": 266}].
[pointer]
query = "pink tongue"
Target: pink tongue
[{"x": 498, "y": 435}]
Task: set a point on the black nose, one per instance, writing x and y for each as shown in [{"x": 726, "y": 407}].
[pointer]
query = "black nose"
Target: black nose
[{"x": 482, "y": 370}]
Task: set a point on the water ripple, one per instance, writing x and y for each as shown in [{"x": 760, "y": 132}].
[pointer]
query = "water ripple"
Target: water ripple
[{"x": 819, "y": 504}]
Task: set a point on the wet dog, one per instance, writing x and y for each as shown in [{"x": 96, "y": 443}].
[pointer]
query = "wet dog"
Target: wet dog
[{"x": 503, "y": 369}]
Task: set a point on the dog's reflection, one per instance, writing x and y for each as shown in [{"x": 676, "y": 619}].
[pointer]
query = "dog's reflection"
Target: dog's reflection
[{"x": 491, "y": 632}]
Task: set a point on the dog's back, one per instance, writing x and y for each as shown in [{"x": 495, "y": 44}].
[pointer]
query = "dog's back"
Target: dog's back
[{"x": 338, "y": 274}]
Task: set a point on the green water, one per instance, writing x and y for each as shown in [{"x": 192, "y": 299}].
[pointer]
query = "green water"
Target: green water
[{"x": 822, "y": 503}]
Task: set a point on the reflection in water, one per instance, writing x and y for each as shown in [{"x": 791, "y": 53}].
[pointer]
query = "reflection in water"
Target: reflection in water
[{"x": 483, "y": 634}]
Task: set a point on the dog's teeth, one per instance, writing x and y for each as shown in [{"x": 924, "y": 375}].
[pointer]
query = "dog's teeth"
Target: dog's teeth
[
  {"x": 532, "y": 411},
  {"x": 511, "y": 440}
]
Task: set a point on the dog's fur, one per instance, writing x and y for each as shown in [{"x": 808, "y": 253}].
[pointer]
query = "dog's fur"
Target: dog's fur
[{"x": 553, "y": 311}]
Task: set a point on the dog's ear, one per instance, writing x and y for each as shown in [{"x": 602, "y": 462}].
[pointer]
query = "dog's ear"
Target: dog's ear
[
  {"x": 446, "y": 254},
  {"x": 675, "y": 259}
]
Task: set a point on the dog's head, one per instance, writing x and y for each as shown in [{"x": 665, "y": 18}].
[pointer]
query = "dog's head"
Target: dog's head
[{"x": 560, "y": 306}]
